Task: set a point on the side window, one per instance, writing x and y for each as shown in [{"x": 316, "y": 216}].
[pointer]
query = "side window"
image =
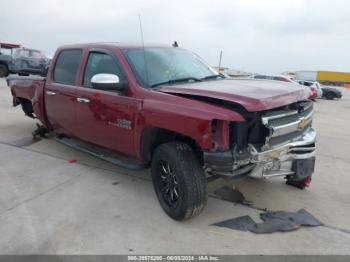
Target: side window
[
  {"x": 101, "y": 63},
  {"x": 67, "y": 66}
]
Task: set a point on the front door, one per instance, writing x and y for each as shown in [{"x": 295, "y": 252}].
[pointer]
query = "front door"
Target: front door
[{"x": 106, "y": 118}]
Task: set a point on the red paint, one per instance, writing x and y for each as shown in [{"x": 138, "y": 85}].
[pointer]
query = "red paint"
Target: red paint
[
  {"x": 96, "y": 94},
  {"x": 307, "y": 181},
  {"x": 97, "y": 121},
  {"x": 313, "y": 93},
  {"x": 253, "y": 95}
]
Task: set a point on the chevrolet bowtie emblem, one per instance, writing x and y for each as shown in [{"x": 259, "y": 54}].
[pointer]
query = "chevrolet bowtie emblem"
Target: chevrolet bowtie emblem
[{"x": 302, "y": 123}]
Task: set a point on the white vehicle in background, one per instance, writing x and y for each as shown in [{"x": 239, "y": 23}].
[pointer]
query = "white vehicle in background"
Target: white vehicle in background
[
  {"x": 314, "y": 85},
  {"x": 315, "y": 91},
  {"x": 283, "y": 78}
]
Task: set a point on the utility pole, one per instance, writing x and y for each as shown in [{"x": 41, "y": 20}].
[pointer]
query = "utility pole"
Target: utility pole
[{"x": 220, "y": 57}]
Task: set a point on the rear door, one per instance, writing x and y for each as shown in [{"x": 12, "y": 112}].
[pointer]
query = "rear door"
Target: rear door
[
  {"x": 60, "y": 92},
  {"x": 106, "y": 118}
]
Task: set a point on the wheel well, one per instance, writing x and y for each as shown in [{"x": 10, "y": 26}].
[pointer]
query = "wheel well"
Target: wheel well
[{"x": 153, "y": 137}]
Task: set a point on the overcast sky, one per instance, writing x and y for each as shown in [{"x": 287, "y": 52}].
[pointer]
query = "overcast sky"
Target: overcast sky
[{"x": 267, "y": 36}]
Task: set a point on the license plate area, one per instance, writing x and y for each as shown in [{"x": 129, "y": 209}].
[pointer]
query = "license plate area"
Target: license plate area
[{"x": 303, "y": 168}]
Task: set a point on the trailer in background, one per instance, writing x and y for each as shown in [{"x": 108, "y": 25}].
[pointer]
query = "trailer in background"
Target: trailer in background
[
  {"x": 305, "y": 75},
  {"x": 328, "y": 78},
  {"x": 334, "y": 78}
]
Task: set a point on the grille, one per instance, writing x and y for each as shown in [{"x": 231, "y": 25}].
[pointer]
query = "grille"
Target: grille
[{"x": 288, "y": 124}]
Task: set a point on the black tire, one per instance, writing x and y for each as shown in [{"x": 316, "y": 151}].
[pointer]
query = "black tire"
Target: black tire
[
  {"x": 330, "y": 95},
  {"x": 178, "y": 180},
  {"x": 4, "y": 71}
]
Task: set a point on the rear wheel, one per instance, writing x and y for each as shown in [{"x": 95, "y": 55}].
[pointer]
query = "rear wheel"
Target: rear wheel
[
  {"x": 178, "y": 180},
  {"x": 4, "y": 71}
]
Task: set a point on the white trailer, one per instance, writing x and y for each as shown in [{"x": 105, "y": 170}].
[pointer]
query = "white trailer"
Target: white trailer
[{"x": 306, "y": 75}]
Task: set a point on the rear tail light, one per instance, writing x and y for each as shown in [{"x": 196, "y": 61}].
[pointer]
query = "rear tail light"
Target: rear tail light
[{"x": 313, "y": 92}]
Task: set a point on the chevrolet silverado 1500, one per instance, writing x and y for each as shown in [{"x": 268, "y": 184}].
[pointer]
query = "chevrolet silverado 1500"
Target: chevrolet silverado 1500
[{"x": 164, "y": 107}]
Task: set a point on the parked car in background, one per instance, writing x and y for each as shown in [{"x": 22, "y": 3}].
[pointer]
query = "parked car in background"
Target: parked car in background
[
  {"x": 313, "y": 89},
  {"x": 275, "y": 77},
  {"x": 331, "y": 92},
  {"x": 328, "y": 92},
  {"x": 15, "y": 59},
  {"x": 30, "y": 61},
  {"x": 6, "y": 53}
]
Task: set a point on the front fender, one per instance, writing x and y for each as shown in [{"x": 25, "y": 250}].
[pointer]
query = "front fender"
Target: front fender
[{"x": 193, "y": 119}]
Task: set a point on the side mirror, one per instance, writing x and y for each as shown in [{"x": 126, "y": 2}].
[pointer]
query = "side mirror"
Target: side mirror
[{"x": 109, "y": 82}]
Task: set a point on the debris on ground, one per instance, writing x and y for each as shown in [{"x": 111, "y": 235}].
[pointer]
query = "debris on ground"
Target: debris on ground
[
  {"x": 273, "y": 221},
  {"x": 272, "y": 225},
  {"x": 301, "y": 217},
  {"x": 243, "y": 223},
  {"x": 301, "y": 184},
  {"x": 232, "y": 195},
  {"x": 72, "y": 161}
]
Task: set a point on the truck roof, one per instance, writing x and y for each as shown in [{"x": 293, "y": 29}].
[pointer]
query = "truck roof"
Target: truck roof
[
  {"x": 8, "y": 45},
  {"x": 111, "y": 44}
]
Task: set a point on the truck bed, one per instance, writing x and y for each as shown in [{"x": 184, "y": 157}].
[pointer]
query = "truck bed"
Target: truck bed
[{"x": 28, "y": 91}]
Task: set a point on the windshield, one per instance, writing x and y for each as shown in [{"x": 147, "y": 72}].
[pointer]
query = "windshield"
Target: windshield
[{"x": 161, "y": 65}]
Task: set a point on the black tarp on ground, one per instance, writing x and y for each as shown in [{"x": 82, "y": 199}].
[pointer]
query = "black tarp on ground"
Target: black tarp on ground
[
  {"x": 274, "y": 221},
  {"x": 301, "y": 217},
  {"x": 244, "y": 223}
]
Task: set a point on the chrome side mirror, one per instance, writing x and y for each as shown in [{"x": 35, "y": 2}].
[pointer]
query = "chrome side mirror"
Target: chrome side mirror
[{"x": 108, "y": 82}]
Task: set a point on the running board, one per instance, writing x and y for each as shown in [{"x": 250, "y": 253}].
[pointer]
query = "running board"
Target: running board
[{"x": 103, "y": 154}]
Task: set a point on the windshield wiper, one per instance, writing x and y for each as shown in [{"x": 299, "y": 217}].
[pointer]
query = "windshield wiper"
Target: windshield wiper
[
  {"x": 178, "y": 80},
  {"x": 213, "y": 76}
]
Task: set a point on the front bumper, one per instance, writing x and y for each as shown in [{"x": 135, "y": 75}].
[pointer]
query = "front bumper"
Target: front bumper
[{"x": 295, "y": 158}]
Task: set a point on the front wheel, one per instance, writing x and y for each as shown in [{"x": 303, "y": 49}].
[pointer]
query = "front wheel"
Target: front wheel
[{"x": 178, "y": 180}]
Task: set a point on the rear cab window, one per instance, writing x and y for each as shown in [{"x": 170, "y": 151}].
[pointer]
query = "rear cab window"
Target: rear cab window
[{"x": 66, "y": 68}]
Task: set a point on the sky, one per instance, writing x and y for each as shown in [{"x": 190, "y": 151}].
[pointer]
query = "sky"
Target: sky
[{"x": 261, "y": 36}]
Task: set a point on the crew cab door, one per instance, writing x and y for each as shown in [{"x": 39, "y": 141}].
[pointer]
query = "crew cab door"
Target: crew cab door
[
  {"x": 60, "y": 92},
  {"x": 106, "y": 118}
]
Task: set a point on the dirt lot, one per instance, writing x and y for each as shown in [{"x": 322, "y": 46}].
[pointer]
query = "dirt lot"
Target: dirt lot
[{"x": 51, "y": 206}]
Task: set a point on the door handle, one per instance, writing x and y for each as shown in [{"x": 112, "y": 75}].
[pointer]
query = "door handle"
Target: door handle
[
  {"x": 83, "y": 100},
  {"x": 50, "y": 93}
]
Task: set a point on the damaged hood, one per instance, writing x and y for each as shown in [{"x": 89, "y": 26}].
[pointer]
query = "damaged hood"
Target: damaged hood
[{"x": 253, "y": 95}]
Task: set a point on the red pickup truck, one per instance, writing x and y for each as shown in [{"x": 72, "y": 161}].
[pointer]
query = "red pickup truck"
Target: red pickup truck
[{"x": 164, "y": 107}]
